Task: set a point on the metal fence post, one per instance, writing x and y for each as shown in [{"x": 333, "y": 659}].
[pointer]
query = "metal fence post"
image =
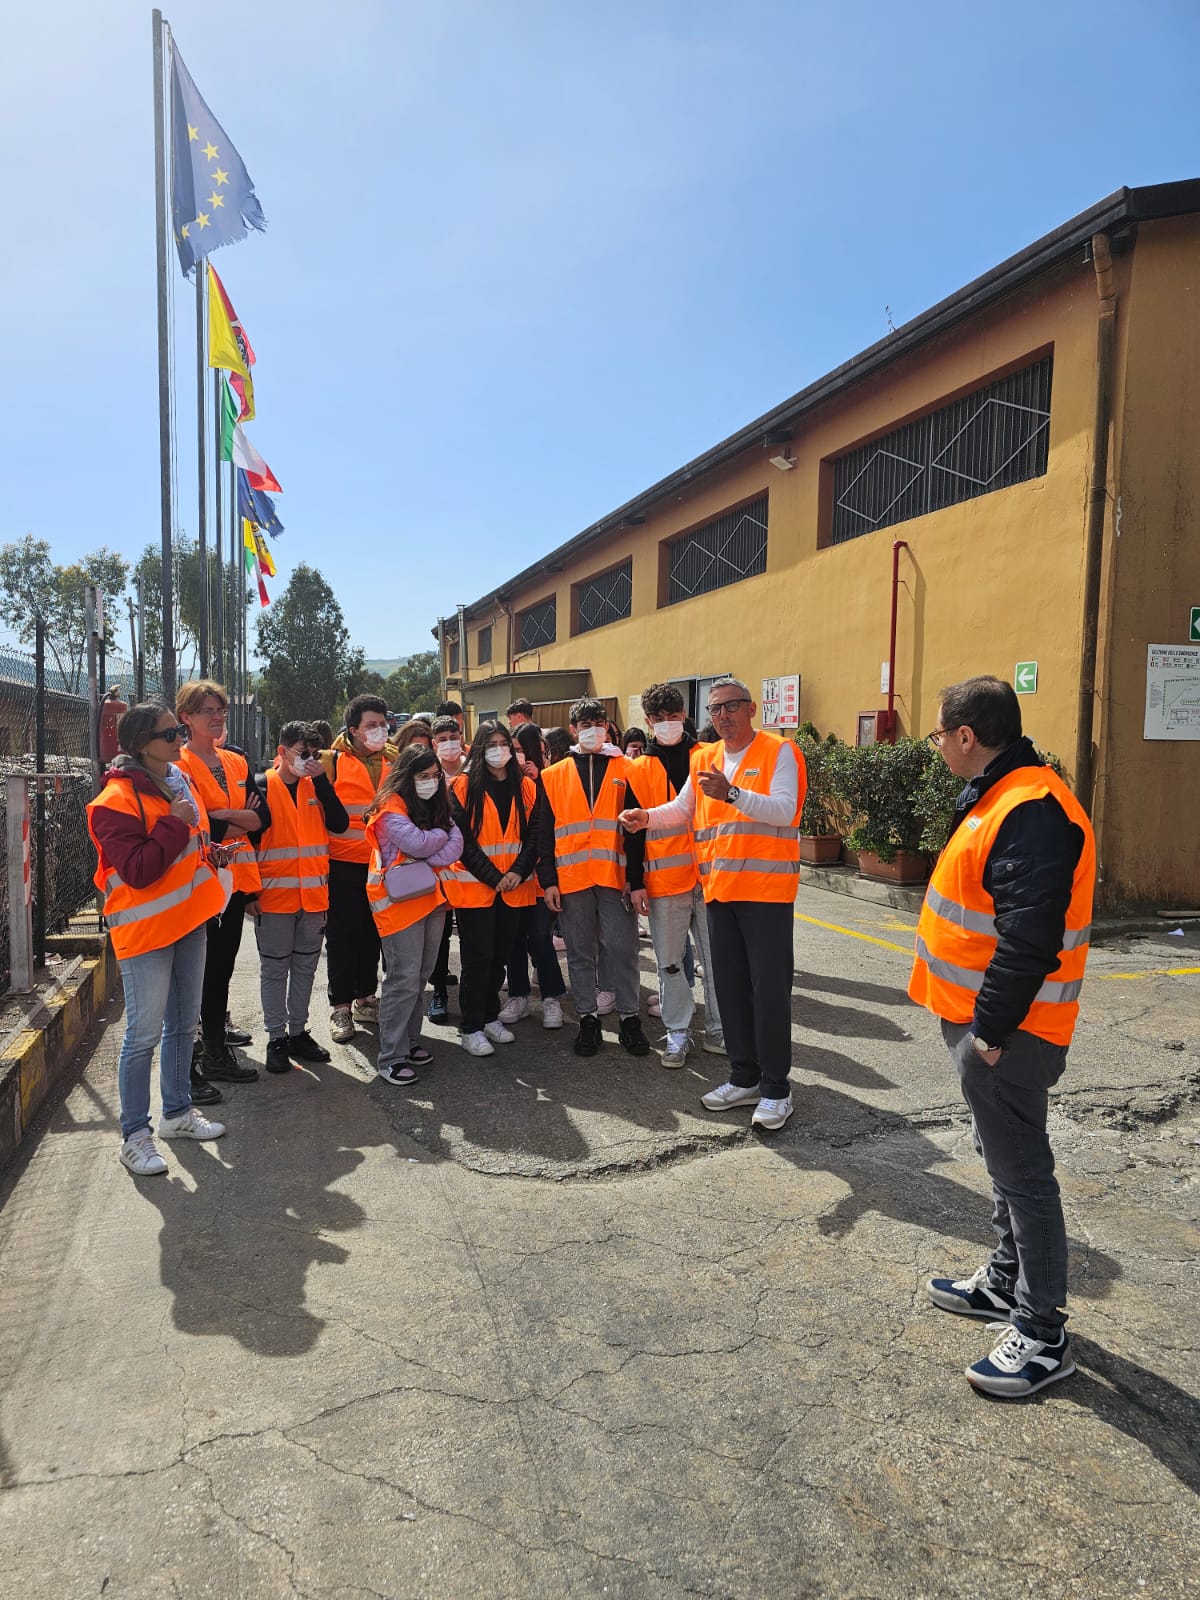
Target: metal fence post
[
  {"x": 39, "y": 804},
  {"x": 20, "y": 908},
  {"x": 93, "y": 688}
]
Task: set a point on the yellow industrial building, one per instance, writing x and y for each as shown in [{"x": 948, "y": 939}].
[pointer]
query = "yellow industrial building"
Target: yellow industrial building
[{"x": 1023, "y": 458}]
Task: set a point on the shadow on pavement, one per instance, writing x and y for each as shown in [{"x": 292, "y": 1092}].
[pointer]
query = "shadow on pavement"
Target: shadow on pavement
[
  {"x": 880, "y": 994},
  {"x": 1151, "y": 1410}
]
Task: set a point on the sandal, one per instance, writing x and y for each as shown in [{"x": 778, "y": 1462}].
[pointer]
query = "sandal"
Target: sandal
[
  {"x": 419, "y": 1056},
  {"x": 399, "y": 1074}
]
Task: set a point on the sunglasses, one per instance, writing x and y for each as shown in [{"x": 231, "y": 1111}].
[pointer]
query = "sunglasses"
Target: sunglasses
[{"x": 171, "y": 735}]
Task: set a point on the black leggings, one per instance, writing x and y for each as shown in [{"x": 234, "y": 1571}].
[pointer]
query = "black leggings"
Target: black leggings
[
  {"x": 485, "y": 936},
  {"x": 224, "y": 942}
]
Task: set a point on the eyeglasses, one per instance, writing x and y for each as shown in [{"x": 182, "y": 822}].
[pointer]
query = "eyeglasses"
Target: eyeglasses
[
  {"x": 171, "y": 735},
  {"x": 211, "y": 713},
  {"x": 935, "y": 738},
  {"x": 727, "y": 707}
]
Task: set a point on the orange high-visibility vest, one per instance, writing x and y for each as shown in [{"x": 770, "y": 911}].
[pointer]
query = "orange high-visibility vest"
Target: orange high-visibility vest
[
  {"x": 237, "y": 775},
  {"x": 741, "y": 858},
  {"x": 353, "y": 786},
  {"x": 391, "y": 916},
  {"x": 293, "y": 853},
  {"x": 501, "y": 846},
  {"x": 956, "y": 933},
  {"x": 671, "y": 866},
  {"x": 187, "y": 894},
  {"x": 588, "y": 848}
]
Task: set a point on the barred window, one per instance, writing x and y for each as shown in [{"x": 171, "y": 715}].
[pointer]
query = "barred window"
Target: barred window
[
  {"x": 605, "y": 598},
  {"x": 992, "y": 439},
  {"x": 538, "y": 625},
  {"x": 731, "y": 547},
  {"x": 483, "y": 646},
  {"x": 454, "y": 655}
]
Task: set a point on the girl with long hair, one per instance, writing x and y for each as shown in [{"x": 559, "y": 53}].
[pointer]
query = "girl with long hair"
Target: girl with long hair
[
  {"x": 535, "y": 933},
  {"x": 493, "y": 805},
  {"x": 413, "y": 841}
]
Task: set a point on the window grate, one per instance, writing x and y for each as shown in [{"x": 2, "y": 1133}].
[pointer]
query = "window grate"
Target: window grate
[
  {"x": 539, "y": 625},
  {"x": 992, "y": 439},
  {"x": 453, "y": 655},
  {"x": 724, "y": 551},
  {"x": 607, "y": 598},
  {"x": 483, "y": 646}
]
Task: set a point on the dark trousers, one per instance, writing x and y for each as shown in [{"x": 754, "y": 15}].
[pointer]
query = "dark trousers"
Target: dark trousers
[
  {"x": 1009, "y": 1104},
  {"x": 351, "y": 937},
  {"x": 535, "y": 937},
  {"x": 224, "y": 942},
  {"x": 441, "y": 967},
  {"x": 751, "y": 946},
  {"x": 485, "y": 936}
]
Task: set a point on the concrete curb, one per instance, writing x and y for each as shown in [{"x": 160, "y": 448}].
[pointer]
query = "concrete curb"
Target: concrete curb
[{"x": 39, "y": 1056}]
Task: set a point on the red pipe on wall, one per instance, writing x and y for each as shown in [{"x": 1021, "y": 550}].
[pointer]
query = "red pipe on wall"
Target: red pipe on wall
[{"x": 897, "y": 546}]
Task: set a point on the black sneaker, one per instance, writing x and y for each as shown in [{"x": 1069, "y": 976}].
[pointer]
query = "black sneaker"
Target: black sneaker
[
  {"x": 439, "y": 1010},
  {"x": 278, "y": 1057},
  {"x": 451, "y": 980},
  {"x": 303, "y": 1047},
  {"x": 972, "y": 1297},
  {"x": 235, "y": 1035},
  {"x": 589, "y": 1038},
  {"x": 631, "y": 1036},
  {"x": 203, "y": 1092},
  {"x": 219, "y": 1061}
]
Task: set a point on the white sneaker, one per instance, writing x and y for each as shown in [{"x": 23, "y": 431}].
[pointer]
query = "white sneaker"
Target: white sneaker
[
  {"x": 606, "y": 1002},
  {"x": 654, "y": 1006},
  {"x": 478, "y": 1044},
  {"x": 192, "y": 1124},
  {"x": 677, "y": 1048},
  {"x": 727, "y": 1096},
  {"x": 498, "y": 1033},
  {"x": 714, "y": 1044},
  {"x": 552, "y": 1013},
  {"x": 367, "y": 1009},
  {"x": 513, "y": 1010},
  {"x": 341, "y": 1025},
  {"x": 772, "y": 1114},
  {"x": 140, "y": 1154}
]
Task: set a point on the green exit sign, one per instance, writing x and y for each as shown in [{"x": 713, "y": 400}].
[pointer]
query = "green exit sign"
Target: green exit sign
[
  {"x": 1194, "y": 626},
  {"x": 1025, "y": 677}
]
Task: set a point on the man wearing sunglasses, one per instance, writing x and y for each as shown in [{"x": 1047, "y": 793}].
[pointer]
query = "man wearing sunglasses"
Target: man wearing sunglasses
[{"x": 744, "y": 796}]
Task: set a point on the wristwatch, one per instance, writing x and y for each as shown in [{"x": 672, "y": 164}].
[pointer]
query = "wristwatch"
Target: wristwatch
[
  {"x": 733, "y": 794},
  {"x": 984, "y": 1049}
]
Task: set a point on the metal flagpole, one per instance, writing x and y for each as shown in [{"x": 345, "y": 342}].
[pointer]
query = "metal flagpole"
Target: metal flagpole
[
  {"x": 202, "y": 462},
  {"x": 164, "y": 373},
  {"x": 245, "y": 721},
  {"x": 218, "y": 537},
  {"x": 234, "y": 565}
]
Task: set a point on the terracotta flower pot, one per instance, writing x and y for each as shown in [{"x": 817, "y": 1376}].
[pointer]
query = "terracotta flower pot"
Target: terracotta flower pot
[
  {"x": 907, "y": 866},
  {"x": 821, "y": 849}
]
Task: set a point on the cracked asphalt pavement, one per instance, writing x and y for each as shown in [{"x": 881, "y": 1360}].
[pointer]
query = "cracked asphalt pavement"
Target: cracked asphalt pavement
[{"x": 543, "y": 1327}]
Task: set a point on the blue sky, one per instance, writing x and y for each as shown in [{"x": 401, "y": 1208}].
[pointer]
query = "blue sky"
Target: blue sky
[{"x": 524, "y": 259}]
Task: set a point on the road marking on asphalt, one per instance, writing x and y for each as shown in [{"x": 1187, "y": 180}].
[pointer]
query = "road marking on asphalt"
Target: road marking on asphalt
[
  {"x": 1150, "y": 972},
  {"x": 833, "y": 927}
]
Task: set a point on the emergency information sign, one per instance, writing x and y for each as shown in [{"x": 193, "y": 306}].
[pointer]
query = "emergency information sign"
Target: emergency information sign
[
  {"x": 1172, "y": 691},
  {"x": 780, "y": 703}
]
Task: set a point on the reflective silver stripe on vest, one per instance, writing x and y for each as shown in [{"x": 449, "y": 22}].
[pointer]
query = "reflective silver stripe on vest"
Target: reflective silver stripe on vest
[
  {"x": 1052, "y": 994},
  {"x": 769, "y": 830},
  {"x": 665, "y": 833},
  {"x": 295, "y": 883},
  {"x": 1058, "y": 994},
  {"x": 561, "y": 829},
  {"x": 114, "y": 880},
  {"x": 960, "y": 915},
  {"x": 670, "y": 861},
  {"x": 503, "y": 849},
  {"x": 355, "y": 811},
  {"x": 151, "y": 908},
  {"x": 747, "y": 864},
  {"x": 1074, "y": 937},
  {"x": 283, "y": 853},
  {"x": 578, "y": 856}
]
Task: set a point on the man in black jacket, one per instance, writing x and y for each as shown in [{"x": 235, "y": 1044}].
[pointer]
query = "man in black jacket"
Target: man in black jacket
[{"x": 1000, "y": 952}]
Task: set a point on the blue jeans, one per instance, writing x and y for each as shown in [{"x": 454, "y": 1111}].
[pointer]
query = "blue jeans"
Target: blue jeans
[
  {"x": 1009, "y": 1104},
  {"x": 162, "y": 1003}
]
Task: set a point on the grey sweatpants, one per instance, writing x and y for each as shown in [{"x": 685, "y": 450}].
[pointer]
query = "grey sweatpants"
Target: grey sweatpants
[
  {"x": 289, "y": 950},
  {"x": 589, "y": 916},
  {"x": 408, "y": 958}
]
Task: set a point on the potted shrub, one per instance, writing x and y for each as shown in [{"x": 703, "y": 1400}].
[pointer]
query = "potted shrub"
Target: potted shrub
[
  {"x": 883, "y": 787},
  {"x": 939, "y": 789},
  {"x": 820, "y": 833}
]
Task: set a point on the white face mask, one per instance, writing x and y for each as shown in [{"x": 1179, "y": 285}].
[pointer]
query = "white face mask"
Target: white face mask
[
  {"x": 426, "y": 787},
  {"x": 299, "y": 763},
  {"x": 449, "y": 750},
  {"x": 497, "y": 755},
  {"x": 591, "y": 739},
  {"x": 668, "y": 732},
  {"x": 374, "y": 738}
]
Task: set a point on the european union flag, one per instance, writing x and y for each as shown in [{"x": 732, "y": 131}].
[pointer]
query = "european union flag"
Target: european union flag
[
  {"x": 256, "y": 506},
  {"x": 212, "y": 197}
]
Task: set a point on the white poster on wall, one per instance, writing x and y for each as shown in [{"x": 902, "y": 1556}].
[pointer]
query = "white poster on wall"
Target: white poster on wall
[
  {"x": 1172, "y": 691},
  {"x": 780, "y": 703}
]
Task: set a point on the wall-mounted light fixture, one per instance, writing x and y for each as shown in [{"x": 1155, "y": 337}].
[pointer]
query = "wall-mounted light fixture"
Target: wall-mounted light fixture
[{"x": 780, "y": 440}]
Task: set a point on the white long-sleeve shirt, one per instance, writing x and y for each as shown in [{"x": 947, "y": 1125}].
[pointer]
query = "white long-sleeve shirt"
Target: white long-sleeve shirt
[{"x": 776, "y": 808}]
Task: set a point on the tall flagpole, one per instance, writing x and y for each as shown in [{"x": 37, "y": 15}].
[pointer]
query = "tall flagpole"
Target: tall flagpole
[
  {"x": 218, "y": 539},
  {"x": 234, "y": 563},
  {"x": 202, "y": 461},
  {"x": 164, "y": 369}
]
